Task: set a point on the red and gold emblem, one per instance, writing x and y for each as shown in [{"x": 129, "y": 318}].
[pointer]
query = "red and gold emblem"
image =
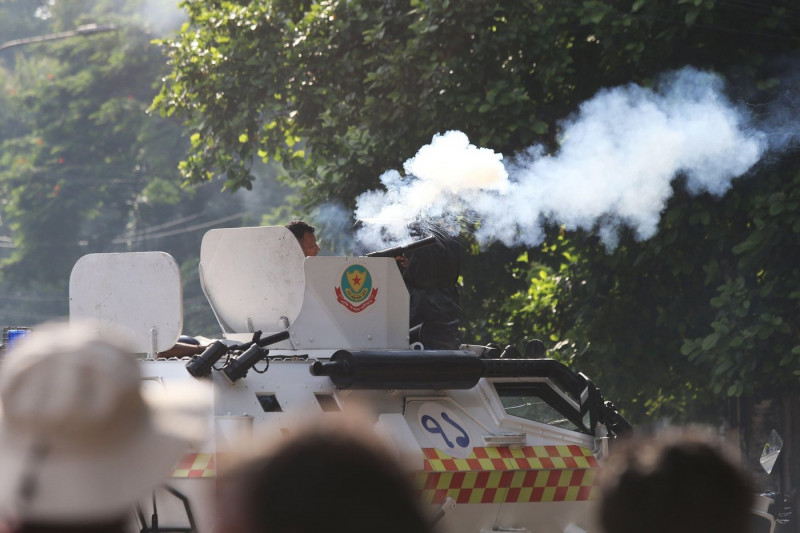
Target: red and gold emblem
[{"x": 356, "y": 292}]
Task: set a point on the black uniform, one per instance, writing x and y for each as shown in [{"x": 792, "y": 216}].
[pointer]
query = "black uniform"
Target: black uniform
[{"x": 431, "y": 276}]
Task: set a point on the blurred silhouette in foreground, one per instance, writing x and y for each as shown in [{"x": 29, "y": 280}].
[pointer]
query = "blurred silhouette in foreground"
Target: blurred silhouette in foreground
[
  {"x": 678, "y": 479},
  {"x": 330, "y": 476},
  {"x": 80, "y": 440}
]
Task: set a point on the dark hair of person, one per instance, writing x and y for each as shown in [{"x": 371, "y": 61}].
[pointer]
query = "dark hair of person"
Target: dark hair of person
[
  {"x": 329, "y": 481},
  {"x": 675, "y": 480},
  {"x": 300, "y": 228}
]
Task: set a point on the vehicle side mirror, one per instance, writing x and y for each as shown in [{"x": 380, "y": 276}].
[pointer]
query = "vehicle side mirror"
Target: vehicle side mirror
[{"x": 771, "y": 451}]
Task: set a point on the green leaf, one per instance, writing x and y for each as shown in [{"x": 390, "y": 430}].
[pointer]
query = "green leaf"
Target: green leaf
[
  {"x": 768, "y": 83},
  {"x": 710, "y": 341},
  {"x": 539, "y": 127}
]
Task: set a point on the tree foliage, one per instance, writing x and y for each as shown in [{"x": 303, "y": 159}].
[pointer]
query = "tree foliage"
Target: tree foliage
[
  {"x": 84, "y": 152},
  {"x": 339, "y": 91},
  {"x": 751, "y": 340},
  {"x": 83, "y": 167}
]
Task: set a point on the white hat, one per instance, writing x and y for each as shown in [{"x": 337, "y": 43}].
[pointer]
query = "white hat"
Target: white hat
[{"x": 80, "y": 440}]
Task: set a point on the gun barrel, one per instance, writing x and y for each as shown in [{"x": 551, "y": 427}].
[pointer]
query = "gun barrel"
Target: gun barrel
[
  {"x": 401, "y": 369},
  {"x": 400, "y": 250}
]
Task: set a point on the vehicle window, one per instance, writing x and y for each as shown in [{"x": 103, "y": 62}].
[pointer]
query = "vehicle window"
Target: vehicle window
[{"x": 530, "y": 401}]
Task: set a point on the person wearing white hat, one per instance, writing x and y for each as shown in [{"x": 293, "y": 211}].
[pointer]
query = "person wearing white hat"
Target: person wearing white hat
[{"x": 80, "y": 440}]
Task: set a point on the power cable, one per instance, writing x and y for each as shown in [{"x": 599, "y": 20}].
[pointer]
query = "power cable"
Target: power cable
[{"x": 125, "y": 240}]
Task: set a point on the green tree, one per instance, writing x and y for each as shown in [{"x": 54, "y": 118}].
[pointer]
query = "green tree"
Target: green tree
[
  {"x": 22, "y": 19},
  {"x": 321, "y": 86},
  {"x": 76, "y": 174},
  {"x": 84, "y": 168},
  {"x": 341, "y": 91},
  {"x": 750, "y": 339}
]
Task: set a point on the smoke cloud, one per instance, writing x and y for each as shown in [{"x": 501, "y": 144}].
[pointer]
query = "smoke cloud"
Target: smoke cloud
[
  {"x": 164, "y": 16},
  {"x": 334, "y": 224},
  {"x": 616, "y": 159}
]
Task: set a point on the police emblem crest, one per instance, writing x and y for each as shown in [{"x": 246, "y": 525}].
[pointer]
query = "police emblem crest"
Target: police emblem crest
[{"x": 356, "y": 292}]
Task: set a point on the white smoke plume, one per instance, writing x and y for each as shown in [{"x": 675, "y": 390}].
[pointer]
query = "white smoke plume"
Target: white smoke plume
[
  {"x": 616, "y": 159},
  {"x": 334, "y": 228},
  {"x": 164, "y": 16}
]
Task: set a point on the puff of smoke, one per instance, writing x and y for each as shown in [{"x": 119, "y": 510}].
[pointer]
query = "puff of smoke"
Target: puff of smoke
[
  {"x": 617, "y": 157},
  {"x": 778, "y": 118},
  {"x": 621, "y": 151},
  {"x": 334, "y": 225},
  {"x": 164, "y": 17},
  {"x": 432, "y": 193}
]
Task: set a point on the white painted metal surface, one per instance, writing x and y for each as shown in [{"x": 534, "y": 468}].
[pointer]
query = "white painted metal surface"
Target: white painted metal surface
[
  {"x": 139, "y": 292},
  {"x": 328, "y": 319},
  {"x": 252, "y": 277}
]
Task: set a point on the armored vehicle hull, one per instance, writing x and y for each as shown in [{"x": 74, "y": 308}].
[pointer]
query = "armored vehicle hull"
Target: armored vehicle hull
[{"x": 493, "y": 444}]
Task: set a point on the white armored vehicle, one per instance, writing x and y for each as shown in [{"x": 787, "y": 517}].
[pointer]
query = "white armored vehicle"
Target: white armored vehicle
[{"x": 495, "y": 444}]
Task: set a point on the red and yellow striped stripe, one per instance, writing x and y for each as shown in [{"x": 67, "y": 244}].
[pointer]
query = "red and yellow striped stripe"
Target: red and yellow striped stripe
[
  {"x": 488, "y": 475},
  {"x": 193, "y": 465},
  {"x": 502, "y": 474}
]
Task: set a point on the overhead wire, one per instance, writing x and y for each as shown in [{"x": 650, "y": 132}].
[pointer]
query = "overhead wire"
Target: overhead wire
[
  {"x": 196, "y": 227},
  {"x": 8, "y": 242},
  {"x": 168, "y": 224}
]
